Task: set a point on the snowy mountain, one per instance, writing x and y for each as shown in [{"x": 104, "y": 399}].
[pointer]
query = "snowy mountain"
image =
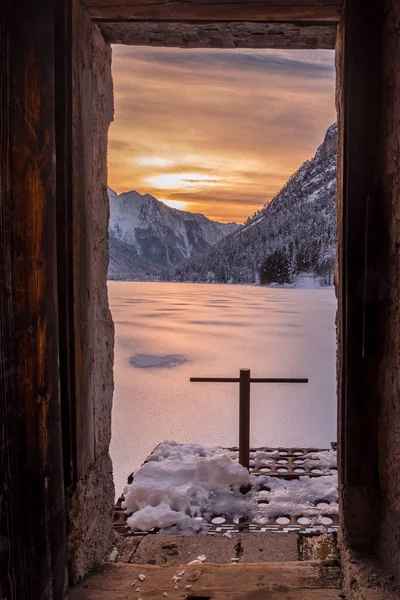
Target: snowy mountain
[
  {"x": 126, "y": 265},
  {"x": 147, "y": 235},
  {"x": 295, "y": 233}
]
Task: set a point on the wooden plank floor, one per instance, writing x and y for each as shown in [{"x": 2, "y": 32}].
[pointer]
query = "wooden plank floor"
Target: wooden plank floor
[{"x": 267, "y": 581}]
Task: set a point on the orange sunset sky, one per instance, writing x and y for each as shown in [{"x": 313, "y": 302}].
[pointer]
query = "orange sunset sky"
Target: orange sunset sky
[{"x": 216, "y": 131}]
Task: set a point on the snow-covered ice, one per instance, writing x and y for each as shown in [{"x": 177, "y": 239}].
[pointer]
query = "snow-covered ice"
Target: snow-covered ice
[
  {"x": 184, "y": 486},
  {"x": 218, "y": 329}
]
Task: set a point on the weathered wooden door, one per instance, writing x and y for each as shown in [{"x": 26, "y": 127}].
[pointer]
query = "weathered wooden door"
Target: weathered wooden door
[{"x": 32, "y": 510}]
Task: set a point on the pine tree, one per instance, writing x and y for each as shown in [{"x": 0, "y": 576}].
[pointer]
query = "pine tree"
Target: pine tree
[{"x": 276, "y": 268}]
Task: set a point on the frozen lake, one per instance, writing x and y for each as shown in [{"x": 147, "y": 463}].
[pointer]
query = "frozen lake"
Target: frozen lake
[{"x": 168, "y": 332}]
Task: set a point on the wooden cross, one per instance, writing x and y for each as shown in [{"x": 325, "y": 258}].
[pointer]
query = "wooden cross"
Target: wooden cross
[{"x": 244, "y": 382}]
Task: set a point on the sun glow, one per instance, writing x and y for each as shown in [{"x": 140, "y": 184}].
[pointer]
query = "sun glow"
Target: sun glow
[
  {"x": 176, "y": 181},
  {"x": 179, "y": 204},
  {"x": 203, "y": 128},
  {"x": 154, "y": 161}
]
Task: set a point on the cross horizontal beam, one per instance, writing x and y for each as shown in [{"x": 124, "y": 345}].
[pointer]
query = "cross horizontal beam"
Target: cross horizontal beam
[
  {"x": 244, "y": 382},
  {"x": 252, "y": 380}
]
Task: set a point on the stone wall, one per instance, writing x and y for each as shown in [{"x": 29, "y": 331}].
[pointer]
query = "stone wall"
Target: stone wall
[{"x": 90, "y": 506}]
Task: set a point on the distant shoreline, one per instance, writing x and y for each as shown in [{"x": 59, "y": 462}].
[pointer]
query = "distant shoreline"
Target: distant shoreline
[{"x": 285, "y": 286}]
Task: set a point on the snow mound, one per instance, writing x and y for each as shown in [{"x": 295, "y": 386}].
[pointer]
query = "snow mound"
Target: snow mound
[
  {"x": 321, "y": 460},
  {"x": 184, "y": 486},
  {"x": 188, "y": 480}
]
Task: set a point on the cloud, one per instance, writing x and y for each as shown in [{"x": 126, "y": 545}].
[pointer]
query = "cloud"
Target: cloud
[
  {"x": 246, "y": 119},
  {"x": 311, "y": 64}
]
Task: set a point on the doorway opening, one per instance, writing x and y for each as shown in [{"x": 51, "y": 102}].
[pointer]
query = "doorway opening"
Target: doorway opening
[
  {"x": 54, "y": 265},
  {"x": 242, "y": 137}
]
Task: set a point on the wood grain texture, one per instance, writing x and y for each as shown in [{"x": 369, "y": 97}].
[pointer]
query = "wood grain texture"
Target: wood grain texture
[
  {"x": 214, "y": 10},
  {"x": 81, "y": 240},
  {"x": 9, "y": 568},
  {"x": 389, "y": 429},
  {"x": 31, "y": 434},
  {"x": 245, "y": 34},
  {"x": 65, "y": 242},
  {"x": 362, "y": 261},
  {"x": 272, "y": 581}
]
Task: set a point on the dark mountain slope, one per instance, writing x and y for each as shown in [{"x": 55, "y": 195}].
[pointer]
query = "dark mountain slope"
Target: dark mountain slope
[{"x": 299, "y": 223}]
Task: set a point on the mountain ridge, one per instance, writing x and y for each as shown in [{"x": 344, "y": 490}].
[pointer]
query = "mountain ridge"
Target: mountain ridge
[
  {"x": 146, "y": 235},
  {"x": 298, "y": 224}
]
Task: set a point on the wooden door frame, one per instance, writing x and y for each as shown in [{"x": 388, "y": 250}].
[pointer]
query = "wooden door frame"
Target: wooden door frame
[{"x": 37, "y": 266}]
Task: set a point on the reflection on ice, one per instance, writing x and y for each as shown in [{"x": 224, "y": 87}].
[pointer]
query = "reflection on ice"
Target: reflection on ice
[{"x": 152, "y": 361}]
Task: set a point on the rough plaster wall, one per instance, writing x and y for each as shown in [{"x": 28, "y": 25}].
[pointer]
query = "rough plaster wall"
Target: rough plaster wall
[
  {"x": 390, "y": 368},
  {"x": 92, "y": 504},
  {"x": 103, "y": 111},
  {"x": 245, "y": 34},
  {"x": 364, "y": 579}
]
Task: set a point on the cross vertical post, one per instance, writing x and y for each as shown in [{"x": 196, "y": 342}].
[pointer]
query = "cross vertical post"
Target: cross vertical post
[
  {"x": 244, "y": 382},
  {"x": 244, "y": 418}
]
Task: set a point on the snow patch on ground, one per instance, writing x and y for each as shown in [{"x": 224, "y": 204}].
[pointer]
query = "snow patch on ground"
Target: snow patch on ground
[{"x": 184, "y": 486}]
